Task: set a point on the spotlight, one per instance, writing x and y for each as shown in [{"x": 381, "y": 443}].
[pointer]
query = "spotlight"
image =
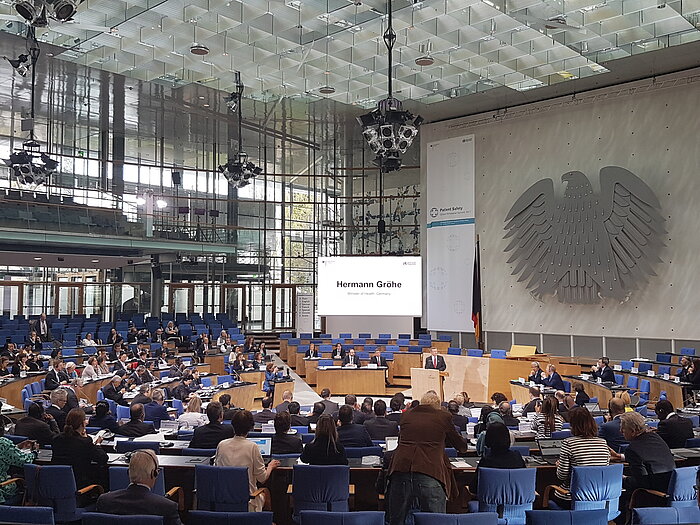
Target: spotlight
[
  {"x": 368, "y": 119},
  {"x": 232, "y": 102},
  {"x": 238, "y": 172},
  {"x": 26, "y": 9},
  {"x": 19, "y": 64},
  {"x": 50, "y": 164},
  {"x": 64, "y": 10}
]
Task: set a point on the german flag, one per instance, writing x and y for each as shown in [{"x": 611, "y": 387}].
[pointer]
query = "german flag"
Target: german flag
[{"x": 476, "y": 294}]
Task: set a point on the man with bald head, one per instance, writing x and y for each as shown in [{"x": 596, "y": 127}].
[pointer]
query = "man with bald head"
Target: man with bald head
[{"x": 610, "y": 431}]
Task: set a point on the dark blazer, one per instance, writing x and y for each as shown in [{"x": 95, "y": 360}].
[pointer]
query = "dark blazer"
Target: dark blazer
[
  {"x": 394, "y": 416},
  {"x": 181, "y": 392},
  {"x": 210, "y": 435},
  {"x": 536, "y": 377},
  {"x": 36, "y": 429},
  {"x": 286, "y": 444},
  {"x": 342, "y": 352},
  {"x": 319, "y": 452},
  {"x": 610, "y": 432},
  {"x": 111, "y": 393},
  {"x": 379, "y": 362},
  {"x": 137, "y": 499},
  {"x": 554, "y": 381},
  {"x": 263, "y": 416},
  {"x": 54, "y": 379},
  {"x": 299, "y": 421},
  {"x": 530, "y": 407},
  {"x": 228, "y": 413},
  {"x": 582, "y": 398},
  {"x": 440, "y": 363},
  {"x": 135, "y": 429},
  {"x": 355, "y": 360},
  {"x": 80, "y": 453},
  {"x": 674, "y": 430},
  {"x": 461, "y": 422},
  {"x": 141, "y": 398},
  {"x": 650, "y": 463},
  {"x": 155, "y": 412},
  {"x": 59, "y": 415},
  {"x": 605, "y": 374},
  {"x": 108, "y": 422},
  {"x": 282, "y": 407},
  {"x": 353, "y": 435},
  {"x": 380, "y": 428},
  {"x": 313, "y": 354},
  {"x": 331, "y": 407}
]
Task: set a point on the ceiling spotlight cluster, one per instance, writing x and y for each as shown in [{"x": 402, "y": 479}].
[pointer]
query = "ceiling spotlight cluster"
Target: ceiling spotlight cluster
[
  {"x": 38, "y": 12},
  {"x": 238, "y": 172},
  {"x": 389, "y": 130},
  {"x": 30, "y": 167}
]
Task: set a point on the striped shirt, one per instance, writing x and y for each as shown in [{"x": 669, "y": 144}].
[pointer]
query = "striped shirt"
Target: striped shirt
[
  {"x": 538, "y": 425},
  {"x": 579, "y": 451}
]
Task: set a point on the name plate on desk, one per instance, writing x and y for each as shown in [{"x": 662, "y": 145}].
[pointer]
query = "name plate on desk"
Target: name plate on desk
[
  {"x": 634, "y": 370},
  {"x": 676, "y": 379},
  {"x": 586, "y": 377},
  {"x": 666, "y": 377},
  {"x": 650, "y": 373},
  {"x": 521, "y": 380},
  {"x": 617, "y": 368},
  {"x": 372, "y": 366},
  {"x": 524, "y": 426}
]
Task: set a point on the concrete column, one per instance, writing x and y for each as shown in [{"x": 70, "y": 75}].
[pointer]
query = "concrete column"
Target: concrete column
[{"x": 156, "y": 286}]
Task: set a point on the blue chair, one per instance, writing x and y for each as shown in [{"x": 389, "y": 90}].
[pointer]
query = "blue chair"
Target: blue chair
[
  {"x": 314, "y": 517},
  {"x": 224, "y": 379},
  {"x": 325, "y": 488},
  {"x": 54, "y": 486},
  {"x": 364, "y": 336},
  {"x": 688, "y": 351},
  {"x": 454, "y": 351},
  {"x": 360, "y": 452},
  {"x": 179, "y": 407},
  {"x": 285, "y": 456},
  {"x": 222, "y": 489},
  {"x": 203, "y": 517},
  {"x": 632, "y": 384},
  {"x": 99, "y": 518},
  {"x": 643, "y": 410},
  {"x": 16, "y": 439},
  {"x": 619, "y": 379},
  {"x": 434, "y": 518},
  {"x": 28, "y": 515},
  {"x": 665, "y": 515},
  {"x": 566, "y": 517},
  {"x": 524, "y": 450},
  {"x": 643, "y": 367},
  {"x": 664, "y": 369},
  {"x": 567, "y": 386},
  {"x": 561, "y": 434},
  {"x": 384, "y": 336},
  {"x": 205, "y": 452},
  {"x": 123, "y": 412},
  {"x": 206, "y": 381},
  {"x": 475, "y": 352},
  {"x": 498, "y": 354},
  {"x": 301, "y": 430},
  {"x": 626, "y": 365},
  {"x": 325, "y": 362},
  {"x": 510, "y": 492},
  {"x": 592, "y": 488},
  {"x": 680, "y": 493},
  {"x": 128, "y": 446},
  {"x": 663, "y": 358},
  {"x": 644, "y": 389}
]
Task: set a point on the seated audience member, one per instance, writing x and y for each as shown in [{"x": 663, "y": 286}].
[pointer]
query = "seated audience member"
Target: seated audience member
[
  {"x": 693, "y": 375},
  {"x": 467, "y": 402},
  {"x": 90, "y": 371},
  {"x": 75, "y": 448},
  {"x": 283, "y": 443},
  {"x": 37, "y": 426},
  {"x": 156, "y": 410},
  {"x": 497, "y": 398},
  {"x": 143, "y": 395},
  {"x": 547, "y": 418},
  {"x": 396, "y": 406},
  {"x": 331, "y": 407},
  {"x": 505, "y": 409},
  {"x": 13, "y": 456},
  {"x": 316, "y": 412},
  {"x": 229, "y": 410},
  {"x": 457, "y": 420},
  {"x": 326, "y": 448},
  {"x": 136, "y": 427},
  {"x": 287, "y": 397},
  {"x": 312, "y": 352},
  {"x": 102, "y": 365},
  {"x": 583, "y": 449},
  {"x": 535, "y": 401},
  {"x": 626, "y": 399},
  {"x": 603, "y": 371},
  {"x": 177, "y": 369},
  {"x": 338, "y": 351},
  {"x": 265, "y": 415},
  {"x": 138, "y": 498},
  {"x": 581, "y": 397},
  {"x": 239, "y": 452},
  {"x": 648, "y": 456},
  {"x": 103, "y": 418},
  {"x": 562, "y": 407},
  {"x": 357, "y": 415},
  {"x": 272, "y": 373},
  {"x": 115, "y": 391},
  {"x": 88, "y": 340},
  {"x": 214, "y": 432},
  {"x": 379, "y": 427},
  {"x": 57, "y": 408},
  {"x": 192, "y": 417},
  {"x": 497, "y": 452},
  {"x": 464, "y": 410},
  {"x": 610, "y": 430},
  {"x": 673, "y": 429},
  {"x": 366, "y": 411},
  {"x": 296, "y": 419},
  {"x": 240, "y": 363},
  {"x": 349, "y": 433},
  {"x": 536, "y": 375},
  {"x": 553, "y": 379},
  {"x": 683, "y": 371},
  {"x": 21, "y": 364},
  {"x": 57, "y": 376},
  {"x": 70, "y": 370},
  {"x": 183, "y": 390}
]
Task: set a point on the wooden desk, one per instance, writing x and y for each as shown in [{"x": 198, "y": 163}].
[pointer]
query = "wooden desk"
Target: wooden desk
[
  {"x": 216, "y": 363},
  {"x": 241, "y": 396},
  {"x": 595, "y": 389},
  {"x": 404, "y": 361},
  {"x": 279, "y": 390},
  {"x": 359, "y": 381},
  {"x": 12, "y": 389},
  {"x": 674, "y": 391},
  {"x": 91, "y": 387},
  {"x": 520, "y": 392},
  {"x": 283, "y": 350},
  {"x": 257, "y": 377}
]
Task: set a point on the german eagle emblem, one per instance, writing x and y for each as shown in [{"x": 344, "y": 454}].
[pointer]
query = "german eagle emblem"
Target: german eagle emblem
[{"x": 585, "y": 246}]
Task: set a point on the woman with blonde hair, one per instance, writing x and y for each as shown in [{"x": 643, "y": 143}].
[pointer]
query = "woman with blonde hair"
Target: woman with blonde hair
[
  {"x": 192, "y": 417},
  {"x": 626, "y": 399}
]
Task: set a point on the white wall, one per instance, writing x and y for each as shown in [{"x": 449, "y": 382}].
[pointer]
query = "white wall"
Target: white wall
[{"x": 354, "y": 324}]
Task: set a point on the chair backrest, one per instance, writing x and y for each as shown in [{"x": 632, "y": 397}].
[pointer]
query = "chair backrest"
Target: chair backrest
[
  {"x": 99, "y": 518},
  {"x": 52, "y": 486},
  {"x": 498, "y": 354},
  {"x": 475, "y": 518},
  {"x": 633, "y": 382},
  {"x": 119, "y": 479},
  {"x": 206, "y": 381},
  {"x": 29, "y": 515},
  {"x": 222, "y": 489},
  {"x": 509, "y": 492},
  {"x": 663, "y": 358},
  {"x": 626, "y": 365},
  {"x": 123, "y": 412},
  {"x": 561, "y": 434},
  {"x": 314, "y": 517},
  {"x": 664, "y": 369},
  {"x": 665, "y": 515},
  {"x": 597, "y": 488},
  {"x": 643, "y": 367},
  {"x": 688, "y": 351},
  {"x": 454, "y": 351},
  {"x": 681, "y": 487},
  {"x": 566, "y": 517},
  {"x": 204, "y": 517},
  {"x": 325, "y": 488},
  {"x": 619, "y": 379},
  {"x": 360, "y": 452},
  {"x": 475, "y": 352},
  {"x": 127, "y": 446},
  {"x": 204, "y": 452},
  {"x": 524, "y": 450}
]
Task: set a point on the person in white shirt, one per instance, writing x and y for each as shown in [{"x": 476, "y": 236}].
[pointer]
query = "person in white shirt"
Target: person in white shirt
[
  {"x": 89, "y": 341},
  {"x": 193, "y": 417},
  {"x": 89, "y": 371},
  {"x": 221, "y": 341}
]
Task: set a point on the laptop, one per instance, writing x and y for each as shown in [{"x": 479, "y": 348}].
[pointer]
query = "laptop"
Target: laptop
[
  {"x": 550, "y": 449},
  {"x": 391, "y": 443},
  {"x": 265, "y": 445}
]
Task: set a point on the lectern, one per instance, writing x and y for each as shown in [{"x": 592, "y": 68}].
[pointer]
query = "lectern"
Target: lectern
[{"x": 423, "y": 380}]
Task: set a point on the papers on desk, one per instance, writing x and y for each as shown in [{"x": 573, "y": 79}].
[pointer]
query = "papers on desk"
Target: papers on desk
[
  {"x": 6, "y": 407},
  {"x": 159, "y": 436},
  {"x": 460, "y": 463},
  {"x": 333, "y": 367}
]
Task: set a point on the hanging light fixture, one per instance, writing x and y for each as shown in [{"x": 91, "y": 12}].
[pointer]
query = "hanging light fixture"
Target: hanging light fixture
[
  {"x": 239, "y": 170},
  {"x": 389, "y": 129}
]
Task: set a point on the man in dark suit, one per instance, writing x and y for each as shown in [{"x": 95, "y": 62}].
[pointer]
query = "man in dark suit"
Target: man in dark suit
[
  {"x": 114, "y": 391},
  {"x": 265, "y": 414},
  {"x": 211, "y": 434},
  {"x": 350, "y": 434},
  {"x": 312, "y": 352},
  {"x": 457, "y": 420},
  {"x": 379, "y": 427},
  {"x": 377, "y": 359},
  {"x": 286, "y": 399},
  {"x": 156, "y": 410},
  {"x": 41, "y": 327},
  {"x": 396, "y": 406},
  {"x": 673, "y": 429},
  {"x": 137, "y": 498},
  {"x": 59, "y": 398},
  {"x": 435, "y": 361},
  {"x": 330, "y": 406},
  {"x": 603, "y": 371},
  {"x": 283, "y": 443},
  {"x": 351, "y": 359},
  {"x": 535, "y": 400},
  {"x": 38, "y": 425},
  {"x": 296, "y": 419},
  {"x": 683, "y": 372},
  {"x": 57, "y": 376},
  {"x": 142, "y": 397},
  {"x": 136, "y": 427},
  {"x": 34, "y": 342},
  {"x": 317, "y": 411},
  {"x": 121, "y": 367},
  {"x": 610, "y": 431},
  {"x": 553, "y": 379},
  {"x": 536, "y": 374}
]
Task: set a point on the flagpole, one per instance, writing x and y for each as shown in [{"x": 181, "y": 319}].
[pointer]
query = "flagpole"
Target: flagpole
[
  {"x": 481, "y": 311},
  {"x": 476, "y": 297}
]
